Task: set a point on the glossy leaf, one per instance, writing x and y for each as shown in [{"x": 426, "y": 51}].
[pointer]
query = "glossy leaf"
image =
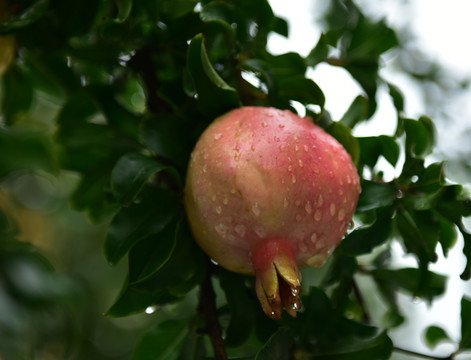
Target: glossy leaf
[
  {"x": 278, "y": 346},
  {"x": 376, "y": 195},
  {"x": 420, "y": 136},
  {"x": 124, "y": 9},
  {"x": 415, "y": 282},
  {"x": 371, "y": 148},
  {"x": 364, "y": 239},
  {"x": 435, "y": 335},
  {"x": 162, "y": 342},
  {"x": 215, "y": 96},
  {"x": 319, "y": 53},
  {"x": 132, "y": 172},
  {"x": 136, "y": 222}
]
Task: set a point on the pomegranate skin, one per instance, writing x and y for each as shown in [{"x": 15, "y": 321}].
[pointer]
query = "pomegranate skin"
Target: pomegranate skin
[{"x": 262, "y": 175}]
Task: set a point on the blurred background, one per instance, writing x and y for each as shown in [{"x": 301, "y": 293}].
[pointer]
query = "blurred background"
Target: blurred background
[{"x": 54, "y": 313}]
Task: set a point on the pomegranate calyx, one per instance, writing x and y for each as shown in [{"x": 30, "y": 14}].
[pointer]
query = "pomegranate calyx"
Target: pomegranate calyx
[{"x": 278, "y": 281}]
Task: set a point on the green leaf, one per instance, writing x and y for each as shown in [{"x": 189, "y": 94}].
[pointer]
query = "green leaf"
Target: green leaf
[
  {"x": 378, "y": 347},
  {"x": 420, "y": 136},
  {"x": 364, "y": 239},
  {"x": 124, "y": 9},
  {"x": 279, "y": 346},
  {"x": 465, "y": 342},
  {"x": 136, "y": 222},
  {"x": 357, "y": 112},
  {"x": 319, "y": 53},
  {"x": 397, "y": 97},
  {"x": 214, "y": 95},
  {"x": 25, "y": 18},
  {"x": 298, "y": 88},
  {"x": 240, "y": 307},
  {"x": 371, "y": 148},
  {"x": 420, "y": 232},
  {"x": 344, "y": 136},
  {"x": 132, "y": 172},
  {"x": 25, "y": 150},
  {"x": 435, "y": 335},
  {"x": 422, "y": 284},
  {"x": 17, "y": 98},
  {"x": 376, "y": 195},
  {"x": 163, "y": 342},
  {"x": 164, "y": 136}
]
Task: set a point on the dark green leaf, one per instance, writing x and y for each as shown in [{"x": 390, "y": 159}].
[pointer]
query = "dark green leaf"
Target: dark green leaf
[
  {"x": 162, "y": 342},
  {"x": 420, "y": 136},
  {"x": 375, "y": 195},
  {"x": 397, "y": 97},
  {"x": 124, "y": 9},
  {"x": 465, "y": 343},
  {"x": 166, "y": 136},
  {"x": 420, "y": 232},
  {"x": 364, "y": 239},
  {"x": 422, "y": 284},
  {"x": 279, "y": 346},
  {"x": 138, "y": 221},
  {"x": 300, "y": 89},
  {"x": 319, "y": 53},
  {"x": 371, "y": 148},
  {"x": 435, "y": 335},
  {"x": 25, "y": 150},
  {"x": 241, "y": 310},
  {"x": 344, "y": 136},
  {"x": 132, "y": 172},
  {"x": 17, "y": 93},
  {"x": 25, "y": 18},
  {"x": 378, "y": 347},
  {"x": 357, "y": 112},
  {"x": 214, "y": 95}
]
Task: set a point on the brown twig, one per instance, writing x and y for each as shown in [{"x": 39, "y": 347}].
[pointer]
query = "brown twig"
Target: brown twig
[{"x": 207, "y": 307}]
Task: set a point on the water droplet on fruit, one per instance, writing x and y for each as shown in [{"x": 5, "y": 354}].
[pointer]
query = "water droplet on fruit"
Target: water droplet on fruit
[
  {"x": 285, "y": 203},
  {"x": 233, "y": 191},
  {"x": 213, "y": 197},
  {"x": 299, "y": 217},
  {"x": 264, "y": 124},
  {"x": 308, "y": 207},
  {"x": 318, "y": 215},
  {"x": 290, "y": 168},
  {"x": 214, "y": 262},
  {"x": 320, "y": 200},
  {"x": 217, "y": 136},
  {"x": 297, "y": 202},
  {"x": 293, "y": 178},
  {"x": 252, "y": 148},
  {"x": 221, "y": 229},
  {"x": 295, "y": 306},
  {"x": 219, "y": 210},
  {"x": 306, "y": 149},
  {"x": 281, "y": 126},
  {"x": 240, "y": 230},
  {"x": 260, "y": 231},
  {"x": 282, "y": 148},
  {"x": 225, "y": 201},
  {"x": 277, "y": 139},
  {"x": 205, "y": 168},
  {"x": 313, "y": 237},
  {"x": 332, "y": 209},
  {"x": 296, "y": 148},
  {"x": 341, "y": 214},
  {"x": 300, "y": 162},
  {"x": 256, "y": 209}
]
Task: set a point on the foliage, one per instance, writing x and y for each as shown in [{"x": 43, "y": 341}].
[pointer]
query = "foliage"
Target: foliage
[{"x": 135, "y": 82}]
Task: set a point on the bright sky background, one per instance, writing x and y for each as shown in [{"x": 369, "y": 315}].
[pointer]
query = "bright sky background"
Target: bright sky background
[{"x": 442, "y": 29}]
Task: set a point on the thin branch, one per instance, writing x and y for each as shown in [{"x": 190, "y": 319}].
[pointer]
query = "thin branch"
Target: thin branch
[
  {"x": 423, "y": 356},
  {"x": 207, "y": 307}
]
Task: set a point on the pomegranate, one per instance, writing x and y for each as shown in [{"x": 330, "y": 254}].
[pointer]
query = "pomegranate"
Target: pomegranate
[{"x": 268, "y": 192}]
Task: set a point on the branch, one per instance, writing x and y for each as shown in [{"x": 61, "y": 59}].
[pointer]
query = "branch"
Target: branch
[
  {"x": 207, "y": 307},
  {"x": 361, "y": 301}
]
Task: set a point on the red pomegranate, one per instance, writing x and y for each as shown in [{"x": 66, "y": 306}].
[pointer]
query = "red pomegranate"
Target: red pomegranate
[{"x": 268, "y": 192}]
